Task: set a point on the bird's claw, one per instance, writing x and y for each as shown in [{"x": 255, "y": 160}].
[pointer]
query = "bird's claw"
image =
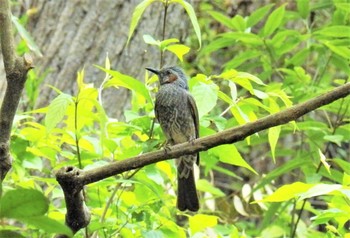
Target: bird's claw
[
  {"x": 167, "y": 148},
  {"x": 192, "y": 141}
]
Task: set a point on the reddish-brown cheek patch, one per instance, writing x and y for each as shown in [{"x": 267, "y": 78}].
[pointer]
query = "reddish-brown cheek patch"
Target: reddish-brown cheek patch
[{"x": 172, "y": 78}]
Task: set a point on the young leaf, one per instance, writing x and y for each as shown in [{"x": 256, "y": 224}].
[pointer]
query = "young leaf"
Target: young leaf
[
  {"x": 230, "y": 155},
  {"x": 287, "y": 192},
  {"x": 122, "y": 80},
  {"x": 257, "y": 15},
  {"x": 226, "y": 21},
  {"x": 334, "y": 31},
  {"x": 320, "y": 189},
  {"x": 57, "y": 110},
  {"x": 200, "y": 222},
  {"x": 23, "y": 203},
  {"x": 179, "y": 50},
  {"x": 137, "y": 15},
  {"x": 324, "y": 161},
  {"x": 190, "y": 12},
  {"x": 303, "y": 8},
  {"x": 204, "y": 186},
  {"x": 26, "y": 37},
  {"x": 274, "y": 133},
  {"x": 274, "y": 21},
  {"x": 148, "y": 39},
  {"x": 205, "y": 96}
]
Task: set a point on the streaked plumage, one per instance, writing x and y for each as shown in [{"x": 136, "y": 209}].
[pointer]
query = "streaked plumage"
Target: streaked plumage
[{"x": 177, "y": 114}]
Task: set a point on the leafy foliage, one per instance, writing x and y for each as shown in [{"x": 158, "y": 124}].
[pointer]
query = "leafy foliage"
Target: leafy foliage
[{"x": 259, "y": 64}]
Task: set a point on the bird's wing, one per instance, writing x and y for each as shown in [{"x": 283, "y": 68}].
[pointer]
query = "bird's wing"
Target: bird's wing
[{"x": 194, "y": 113}]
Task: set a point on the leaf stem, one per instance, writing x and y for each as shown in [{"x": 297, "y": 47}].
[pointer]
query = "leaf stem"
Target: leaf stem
[{"x": 163, "y": 33}]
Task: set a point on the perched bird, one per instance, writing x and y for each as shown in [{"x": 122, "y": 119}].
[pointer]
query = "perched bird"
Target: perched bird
[{"x": 177, "y": 114}]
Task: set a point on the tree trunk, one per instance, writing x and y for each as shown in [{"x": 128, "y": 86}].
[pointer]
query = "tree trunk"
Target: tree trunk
[{"x": 77, "y": 34}]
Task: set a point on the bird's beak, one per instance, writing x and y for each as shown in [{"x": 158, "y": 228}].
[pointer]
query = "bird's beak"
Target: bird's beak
[{"x": 153, "y": 70}]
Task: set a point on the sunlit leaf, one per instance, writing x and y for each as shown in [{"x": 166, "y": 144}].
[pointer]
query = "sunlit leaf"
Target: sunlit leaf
[
  {"x": 122, "y": 80},
  {"x": 56, "y": 110},
  {"x": 230, "y": 155},
  {"x": 200, "y": 222},
  {"x": 136, "y": 16},
  {"x": 319, "y": 189},
  {"x": 205, "y": 96},
  {"x": 287, "y": 192},
  {"x": 148, "y": 39},
  {"x": 324, "y": 161},
  {"x": 274, "y": 133},
  {"x": 179, "y": 50},
  {"x": 204, "y": 186},
  {"x": 334, "y": 31}
]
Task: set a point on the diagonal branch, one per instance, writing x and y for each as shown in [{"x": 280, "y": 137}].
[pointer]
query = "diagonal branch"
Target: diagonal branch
[
  {"x": 225, "y": 137},
  {"x": 16, "y": 69},
  {"x": 73, "y": 179}
]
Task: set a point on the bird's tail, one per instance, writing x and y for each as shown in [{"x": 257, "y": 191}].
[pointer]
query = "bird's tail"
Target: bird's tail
[{"x": 187, "y": 194}]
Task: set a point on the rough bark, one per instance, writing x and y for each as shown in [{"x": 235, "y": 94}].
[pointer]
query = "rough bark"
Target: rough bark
[
  {"x": 76, "y": 34},
  {"x": 16, "y": 69}
]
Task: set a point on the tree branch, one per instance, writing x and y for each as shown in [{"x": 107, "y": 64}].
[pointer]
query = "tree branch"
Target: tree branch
[
  {"x": 16, "y": 69},
  {"x": 225, "y": 137},
  {"x": 71, "y": 178}
]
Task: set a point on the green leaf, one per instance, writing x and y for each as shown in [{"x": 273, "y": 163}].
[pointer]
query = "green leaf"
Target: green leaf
[
  {"x": 204, "y": 186},
  {"x": 287, "y": 192},
  {"x": 26, "y": 37},
  {"x": 242, "y": 58},
  {"x": 284, "y": 169},
  {"x": 274, "y": 231},
  {"x": 248, "y": 38},
  {"x": 324, "y": 161},
  {"x": 167, "y": 42},
  {"x": 342, "y": 51},
  {"x": 56, "y": 110},
  {"x": 320, "y": 189},
  {"x": 303, "y": 8},
  {"x": 257, "y": 15},
  {"x": 9, "y": 233},
  {"x": 274, "y": 133},
  {"x": 216, "y": 45},
  {"x": 230, "y": 155},
  {"x": 48, "y": 225},
  {"x": 122, "y": 80},
  {"x": 148, "y": 39},
  {"x": 179, "y": 50},
  {"x": 205, "y": 96},
  {"x": 190, "y": 12},
  {"x": 226, "y": 21},
  {"x": 239, "y": 23},
  {"x": 334, "y": 31},
  {"x": 23, "y": 203},
  {"x": 274, "y": 21},
  {"x": 200, "y": 222},
  {"x": 140, "y": 8}
]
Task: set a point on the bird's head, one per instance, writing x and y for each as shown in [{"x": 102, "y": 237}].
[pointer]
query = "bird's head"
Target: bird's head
[{"x": 173, "y": 75}]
